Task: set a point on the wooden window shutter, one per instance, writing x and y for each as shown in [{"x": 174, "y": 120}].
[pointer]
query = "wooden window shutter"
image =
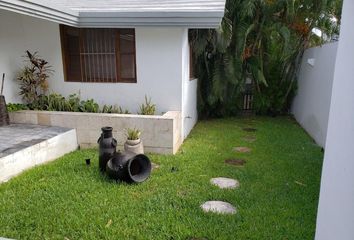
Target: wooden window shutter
[
  {"x": 99, "y": 55},
  {"x": 127, "y": 61},
  {"x": 70, "y": 40}
]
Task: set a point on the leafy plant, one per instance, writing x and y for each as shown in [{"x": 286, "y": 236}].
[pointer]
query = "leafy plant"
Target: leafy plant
[
  {"x": 107, "y": 109},
  {"x": 114, "y": 109},
  {"x": 120, "y": 110},
  {"x": 57, "y": 102},
  {"x": 133, "y": 133},
  {"x": 73, "y": 103},
  {"x": 13, "y": 107},
  {"x": 33, "y": 78},
  {"x": 89, "y": 106},
  {"x": 147, "y": 108},
  {"x": 263, "y": 41}
]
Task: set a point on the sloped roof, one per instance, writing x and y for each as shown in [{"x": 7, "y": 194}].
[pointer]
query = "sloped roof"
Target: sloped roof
[{"x": 120, "y": 13}]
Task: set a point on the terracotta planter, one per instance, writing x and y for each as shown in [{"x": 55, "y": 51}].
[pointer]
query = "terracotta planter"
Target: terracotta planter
[{"x": 134, "y": 146}]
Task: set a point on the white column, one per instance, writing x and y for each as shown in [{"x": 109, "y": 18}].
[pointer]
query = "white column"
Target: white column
[{"x": 335, "y": 219}]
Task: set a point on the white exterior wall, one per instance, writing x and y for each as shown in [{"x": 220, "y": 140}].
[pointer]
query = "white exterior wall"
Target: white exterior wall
[
  {"x": 162, "y": 59},
  {"x": 311, "y": 105},
  {"x": 158, "y": 53},
  {"x": 335, "y": 218},
  {"x": 159, "y": 76},
  {"x": 189, "y": 92},
  {"x": 190, "y": 112}
]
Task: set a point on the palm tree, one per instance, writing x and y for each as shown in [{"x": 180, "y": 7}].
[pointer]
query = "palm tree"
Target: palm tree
[{"x": 263, "y": 40}]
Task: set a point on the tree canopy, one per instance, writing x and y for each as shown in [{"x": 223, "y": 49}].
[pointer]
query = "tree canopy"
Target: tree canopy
[{"x": 261, "y": 40}]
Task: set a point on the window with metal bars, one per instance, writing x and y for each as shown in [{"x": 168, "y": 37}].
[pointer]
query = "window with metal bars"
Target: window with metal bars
[{"x": 98, "y": 54}]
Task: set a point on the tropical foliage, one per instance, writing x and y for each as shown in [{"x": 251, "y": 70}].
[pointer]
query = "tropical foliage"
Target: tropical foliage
[
  {"x": 13, "y": 107},
  {"x": 73, "y": 103},
  {"x": 33, "y": 78},
  {"x": 263, "y": 41}
]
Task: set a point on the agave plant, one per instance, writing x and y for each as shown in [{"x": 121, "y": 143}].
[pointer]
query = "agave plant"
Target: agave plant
[
  {"x": 133, "y": 134},
  {"x": 147, "y": 108}
]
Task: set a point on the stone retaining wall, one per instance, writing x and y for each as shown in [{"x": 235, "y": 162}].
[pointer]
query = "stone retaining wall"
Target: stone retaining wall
[{"x": 160, "y": 134}]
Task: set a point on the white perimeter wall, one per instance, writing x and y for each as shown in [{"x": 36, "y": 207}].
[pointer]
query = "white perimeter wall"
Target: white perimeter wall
[
  {"x": 311, "y": 105},
  {"x": 335, "y": 219},
  {"x": 162, "y": 64}
]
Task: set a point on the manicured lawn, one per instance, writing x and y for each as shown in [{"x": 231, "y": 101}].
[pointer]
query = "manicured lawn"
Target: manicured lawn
[{"x": 277, "y": 198}]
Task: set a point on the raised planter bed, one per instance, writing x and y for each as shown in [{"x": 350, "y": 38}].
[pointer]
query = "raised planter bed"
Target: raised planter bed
[{"x": 160, "y": 134}]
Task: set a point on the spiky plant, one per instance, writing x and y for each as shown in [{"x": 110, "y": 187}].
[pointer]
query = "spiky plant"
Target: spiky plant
[{"x": 133, "y": 134}]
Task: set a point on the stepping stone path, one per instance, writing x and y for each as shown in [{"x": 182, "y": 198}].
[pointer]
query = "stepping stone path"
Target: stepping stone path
[
  {"x": 221, "y": 207},
  {"x": 250, "y": 139},
  {"x": 225, "y": 183},
  {"x": 218, "y": 207},
  {"x": 242, "y": 149},
  {"x": 249, "y": 129},
  {"x": 235, "y": 162}
]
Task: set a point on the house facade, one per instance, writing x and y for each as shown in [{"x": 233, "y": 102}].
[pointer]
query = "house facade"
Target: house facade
[{"x": 116, "y": 52}]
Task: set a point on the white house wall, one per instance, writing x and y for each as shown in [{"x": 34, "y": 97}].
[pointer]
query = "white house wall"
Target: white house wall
[
  {"x": 158, "y": 52},
  {"x": 335, "y": 218},
  {"x": 311, "y": 105},
  {"x": 189, "y": 92}
]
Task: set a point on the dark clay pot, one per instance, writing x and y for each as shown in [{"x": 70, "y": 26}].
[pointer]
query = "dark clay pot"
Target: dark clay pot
[
  {"x": 107, "y": 147},
  {"x": 129, "y": 167}
]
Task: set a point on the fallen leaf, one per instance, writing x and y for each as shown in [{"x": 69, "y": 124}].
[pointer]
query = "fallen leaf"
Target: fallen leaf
[
  {"x": 300, "y": 183},
  {"x": 109, "y": 223}
]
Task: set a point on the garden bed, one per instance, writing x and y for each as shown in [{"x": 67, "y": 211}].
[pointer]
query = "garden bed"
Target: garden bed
[{"x": 160, "y": 134}]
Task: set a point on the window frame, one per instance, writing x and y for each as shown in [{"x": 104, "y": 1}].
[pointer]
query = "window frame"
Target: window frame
[{"x": 118, "y": 68}]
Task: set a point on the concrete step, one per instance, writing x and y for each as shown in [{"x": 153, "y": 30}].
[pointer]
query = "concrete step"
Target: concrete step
[{"x": 23, "y": 146}]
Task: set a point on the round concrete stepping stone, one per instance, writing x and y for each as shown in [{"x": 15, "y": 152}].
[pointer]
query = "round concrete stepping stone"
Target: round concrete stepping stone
[
  {"x": 218, "y": 207},
  {"x": 242, "y": 149},
  {"x": 250, "y": 139},
  {"x": 235, "y": 162},
  {"x": 249, "y": 129},
  {"x": 225, "y": 183}
]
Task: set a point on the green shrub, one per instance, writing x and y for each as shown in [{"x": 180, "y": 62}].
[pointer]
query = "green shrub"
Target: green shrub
[
  {"x": 147, "y": 108},
  {"x": 114, "y": 109},
  {"x": 56, "y": 102},
  {"x": 13, "y": 107},
  {"x": 73, "y": 103},
  {"x": 89, "y": 106}
]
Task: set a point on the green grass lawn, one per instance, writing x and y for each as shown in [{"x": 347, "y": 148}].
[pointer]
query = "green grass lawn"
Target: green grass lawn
[{"x": 277, "y": 198}]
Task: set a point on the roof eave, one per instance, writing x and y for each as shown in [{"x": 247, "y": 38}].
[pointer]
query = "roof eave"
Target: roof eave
[
  {"x": 41, "y": 10},
  {"x": 112, "y": 19}
]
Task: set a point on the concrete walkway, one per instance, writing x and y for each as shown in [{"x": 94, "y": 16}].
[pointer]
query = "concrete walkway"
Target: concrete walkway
[
  {"x": 16, "y": 137},
  {"x": 23, "y": 146}
]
